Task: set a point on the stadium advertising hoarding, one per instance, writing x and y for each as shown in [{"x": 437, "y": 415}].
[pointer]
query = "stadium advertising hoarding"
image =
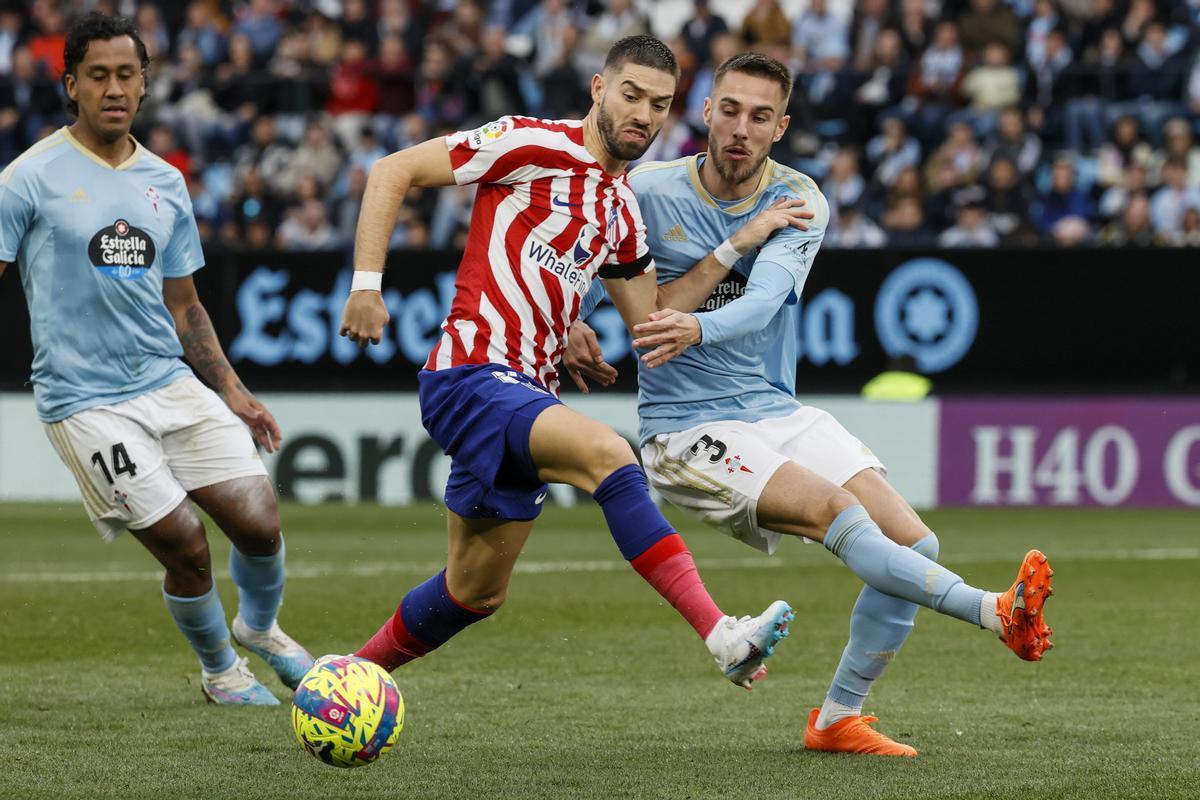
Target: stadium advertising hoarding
[
  {"x": 370, "y": 447},
  {"x": 977, "y": 321},
  {"x": 1080, "y": 452}
]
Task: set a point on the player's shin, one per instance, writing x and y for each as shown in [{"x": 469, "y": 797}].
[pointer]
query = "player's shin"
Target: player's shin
[
  {"x": 201, "y": 620},
  {"x": 260, "y": 585},
  {"x": 653, "y": 549},
  {"x": 879, "y": 626},
  {"x": 899, "y": 571},
  {"x": 425, "y": 620}
]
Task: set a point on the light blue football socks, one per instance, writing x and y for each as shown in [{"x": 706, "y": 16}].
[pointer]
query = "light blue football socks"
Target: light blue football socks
[
  {"x": 260, "y": 586},
  {"x": 202, "y": 622},
  {"x": 879, "y": 626},
  {"x": 899, "y": 571}
]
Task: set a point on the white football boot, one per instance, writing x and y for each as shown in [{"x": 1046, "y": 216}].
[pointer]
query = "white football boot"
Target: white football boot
[
  {"x": 236, "y": 686},
  {"x": 281, "y": 652},
  {"x": 740, "y": 646}
]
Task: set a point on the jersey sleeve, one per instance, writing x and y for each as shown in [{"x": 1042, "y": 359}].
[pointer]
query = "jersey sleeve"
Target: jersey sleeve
[
  {"x": 16, "y": 215},
  {"x": 490, "y": 153},
  {"x": 769, "y": 288},
  {"x": 794, "y": 250},
  {"x": 183, "y": 255},
  {"x": 631, "y": 257}
]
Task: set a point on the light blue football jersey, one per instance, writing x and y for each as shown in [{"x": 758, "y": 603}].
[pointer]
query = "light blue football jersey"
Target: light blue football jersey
[
  {"x": 746, "y": 378},
  {"x": 93, "y": 244}
]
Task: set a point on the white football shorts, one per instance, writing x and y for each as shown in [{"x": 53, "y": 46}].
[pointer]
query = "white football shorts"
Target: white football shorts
[
  {"x": 717, "y": 471},
  {"x": 136, "y": 460}
]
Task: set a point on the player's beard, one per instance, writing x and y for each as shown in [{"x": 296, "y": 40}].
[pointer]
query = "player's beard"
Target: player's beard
[
  {"x": 626, "y": 151},
  {"x": 729, "y": 171}
]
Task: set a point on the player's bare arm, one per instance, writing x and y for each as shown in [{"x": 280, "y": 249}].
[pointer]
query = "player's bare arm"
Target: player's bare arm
[
  {"x": 204, "y": 352},
  {"x": 426, "y": 165}
]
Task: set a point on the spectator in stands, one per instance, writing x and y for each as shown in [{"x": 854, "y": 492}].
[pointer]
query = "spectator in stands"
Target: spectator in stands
[
  {"x": 317, "y": 155},
  {"x": 904, "y": 224},
  {"x": 766, "y": 24},
  {"x": 871, "y": 18},
  {"x": 1193, "y": 87},
  {"x": 882, "y": 85},
  {"x": 1008, "y": 203},
  {"x": 440, "y": 92},
  {"x": 618, "y": 20},
  {"x": 1066, "y": 212},
  {"x": 259, "y": 23},
  {"x": 356, "y": 22},
  {"x": 163, "y": 144},
  {"x": 973, "y": 227},
  {"x": 1115, "y": 198},
  {"x": 49, "y": 37},
  {"x": 1096, "y": 84},
  {"x": 346, "y": 218},
  {"x": 1178, "y": 145},
  {"x": 394, "y": 73},
  {"x": 916, "y": 28},
  {"x": 844, "y": 184},
  {"x": 990, "y": 86},
  {"x": 10, "y": 35},
  {"x": 202, "y": 31},
  {"x": 324, "y": 39},
  {"x": 1012, "y": 141},
  {"x": 1133, "y": 228},
  {"x": 1174, "y": 197},
  {"x": 29, "y": 99},
  {"x": 957, "y": 162},
  {"x": 353, "y": 92},
  {"x": 935, "y": 81},
  {"x": 1156, "y": 78},
  {"x": 1045, "y": 19},
  {"x": 153, "y": 32},
  {"x": 989, "y": 21},
  {"x": 892, "y": 150},
  {"x": 463, "y": 32},
  {"x": 306, "y": 227},
  {"x": 493, "y": 79},
  {"x": 1190, "y": 236},
  {"x": 820, "y": 39},
  {"x": 854, "y": 229},
  {"x": 253, "y": 202},
  {"x": 724, "y": 46},
  {"x": 701, "y": 29},
  {"x": 1125, "y": 148},
  {"x": 265, "y": 152},
  {"x": 1047, "y": 86}
]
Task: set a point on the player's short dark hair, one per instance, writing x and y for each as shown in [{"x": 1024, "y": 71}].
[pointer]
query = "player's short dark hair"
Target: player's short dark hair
[
  {"x": 645, "y": 51},
  {"x": 95, "y": 27},
  {"x": 758, "y": 65}
]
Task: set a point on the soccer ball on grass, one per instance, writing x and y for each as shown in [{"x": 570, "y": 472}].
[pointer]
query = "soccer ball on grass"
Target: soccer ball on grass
[{"x": 347, "y": 711}]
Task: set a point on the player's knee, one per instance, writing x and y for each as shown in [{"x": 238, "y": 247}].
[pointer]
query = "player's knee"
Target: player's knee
[
  {"x": 259, "y": 536},
  {"x": 837, "y": 502},
  {"x": 928, "y": 546},
  {"x": 191, "y": 558},
  {"x": 612, "y": 453}
]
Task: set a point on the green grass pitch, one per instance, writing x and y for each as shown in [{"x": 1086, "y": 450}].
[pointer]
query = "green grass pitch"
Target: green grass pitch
[{"x": 587, "y": 685}]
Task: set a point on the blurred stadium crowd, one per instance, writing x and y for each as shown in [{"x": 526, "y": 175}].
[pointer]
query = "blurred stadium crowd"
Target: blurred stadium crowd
[{"x": 950, "y": 122}]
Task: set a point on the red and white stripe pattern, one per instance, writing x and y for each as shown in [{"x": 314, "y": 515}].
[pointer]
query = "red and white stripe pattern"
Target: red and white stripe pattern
[{"x": 547, "y": 217}]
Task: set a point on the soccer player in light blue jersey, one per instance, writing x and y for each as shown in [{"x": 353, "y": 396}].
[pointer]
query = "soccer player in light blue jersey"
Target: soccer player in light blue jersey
[
  {"x": 103, "y": 235},
  {"x": 722, "y": 433}
]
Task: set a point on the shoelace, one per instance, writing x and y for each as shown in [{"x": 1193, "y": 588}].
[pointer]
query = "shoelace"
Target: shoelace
[{"x": 237, "y": 678}]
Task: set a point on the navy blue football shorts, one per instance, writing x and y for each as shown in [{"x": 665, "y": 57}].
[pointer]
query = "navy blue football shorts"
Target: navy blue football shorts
[{"x": 481, "y": 416}]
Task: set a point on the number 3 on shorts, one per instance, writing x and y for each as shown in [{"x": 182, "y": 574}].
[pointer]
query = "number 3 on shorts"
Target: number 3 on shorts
[{"x": 121, "y": 465}]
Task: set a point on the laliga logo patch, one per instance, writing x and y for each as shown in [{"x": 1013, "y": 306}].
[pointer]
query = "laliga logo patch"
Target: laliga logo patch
[
  {"x": 122, "y": 251},
  {"x": 489, "y": 133}
]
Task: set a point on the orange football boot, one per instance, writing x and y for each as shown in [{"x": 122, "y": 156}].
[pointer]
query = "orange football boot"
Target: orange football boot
[
  {"x": 1020, "y": 609},
  {"x": 852, "y": 735}
]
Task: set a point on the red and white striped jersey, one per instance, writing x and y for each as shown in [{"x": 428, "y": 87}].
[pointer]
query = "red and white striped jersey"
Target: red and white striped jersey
[{"x": 547, "y": 220}]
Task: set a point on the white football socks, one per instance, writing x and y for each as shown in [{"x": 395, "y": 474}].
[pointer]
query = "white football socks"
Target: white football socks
[
  {"x": 988, "y": 618},
  {"x": 833, "y": 712}
]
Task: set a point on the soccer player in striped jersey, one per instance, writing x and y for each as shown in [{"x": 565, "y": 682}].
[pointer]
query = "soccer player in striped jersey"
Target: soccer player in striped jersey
[
  {"x": 553, "y": 211},
  {"x": 103, "y": 234},
  {"x": 723, "y": 435}
]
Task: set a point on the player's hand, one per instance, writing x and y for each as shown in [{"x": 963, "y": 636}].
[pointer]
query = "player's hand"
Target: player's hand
[
  {"x": 364, "y": 317},
  {"x": 669, "y": 332},
  {"x": 249, "y": 410},
  {"x": 584, "y": 359},
  {"x": 788, "y": 212}
]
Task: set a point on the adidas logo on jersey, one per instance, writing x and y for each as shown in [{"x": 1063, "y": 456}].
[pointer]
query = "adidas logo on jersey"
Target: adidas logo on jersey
[
  {"x": 80, "y": 196},
  {"x": 675, "y": 234}
]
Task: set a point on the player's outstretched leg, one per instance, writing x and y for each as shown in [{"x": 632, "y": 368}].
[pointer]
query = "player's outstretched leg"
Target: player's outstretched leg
[
  {"x": 474, "y": 585},
  {"x": 847, "y": 531},
  {"x": 568, "y": 447},
  {"x": 246, "y": 510}
]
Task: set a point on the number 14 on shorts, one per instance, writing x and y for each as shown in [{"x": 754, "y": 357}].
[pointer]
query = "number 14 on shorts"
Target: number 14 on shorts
[{"x": 119, "y": 458}]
